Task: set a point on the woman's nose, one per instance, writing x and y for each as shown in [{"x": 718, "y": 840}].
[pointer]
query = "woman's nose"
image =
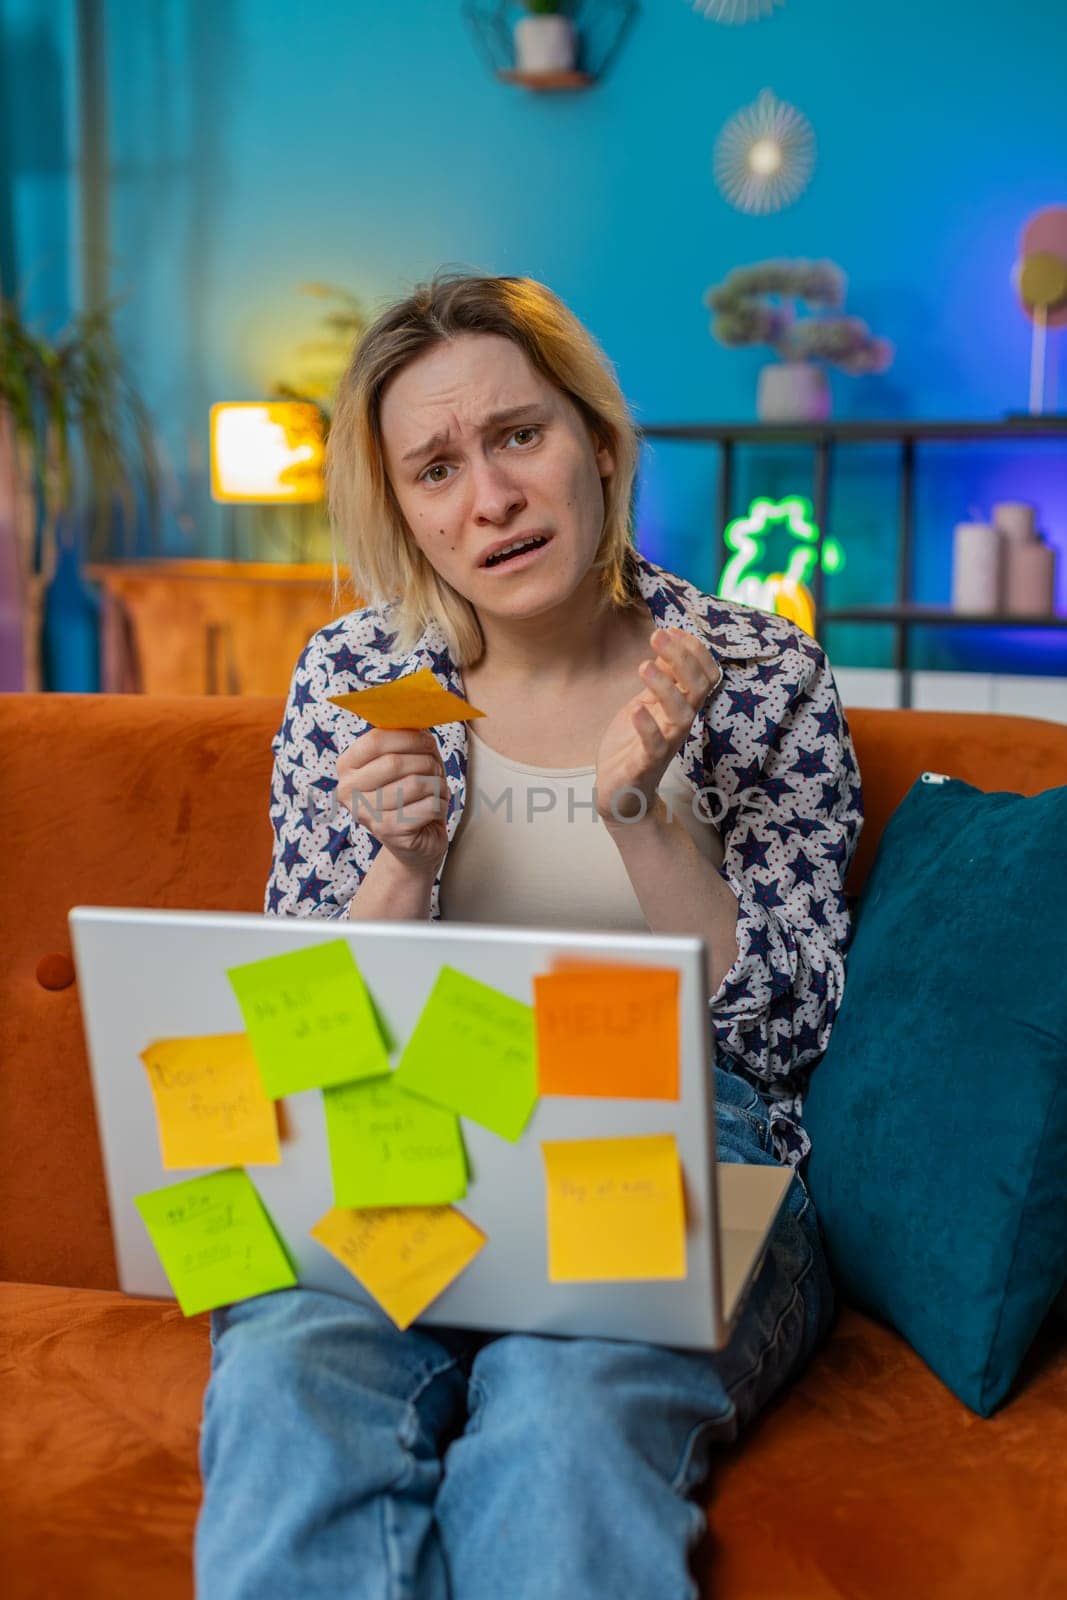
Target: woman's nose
[{"x": 497, "y": 493}]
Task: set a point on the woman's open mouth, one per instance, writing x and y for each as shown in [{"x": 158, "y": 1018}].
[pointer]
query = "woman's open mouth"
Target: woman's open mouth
[{"x": 520, "y": 553}]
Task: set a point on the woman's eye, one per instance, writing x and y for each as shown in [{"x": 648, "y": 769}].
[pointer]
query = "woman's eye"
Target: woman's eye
[{"x": 441, "y": 466}]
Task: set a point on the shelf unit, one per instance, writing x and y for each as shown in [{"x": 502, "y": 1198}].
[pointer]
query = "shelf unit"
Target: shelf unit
[{"x": 823, "y": 437}]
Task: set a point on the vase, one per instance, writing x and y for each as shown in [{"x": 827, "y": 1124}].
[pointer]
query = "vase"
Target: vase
[
  {"x": 545, "y": 44},
  {"x": 71, "y": 625},
  {"x": 792, "y": 391}
]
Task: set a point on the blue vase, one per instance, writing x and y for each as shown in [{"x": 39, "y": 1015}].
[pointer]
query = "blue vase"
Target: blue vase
[{"x": 71, "y": 628}]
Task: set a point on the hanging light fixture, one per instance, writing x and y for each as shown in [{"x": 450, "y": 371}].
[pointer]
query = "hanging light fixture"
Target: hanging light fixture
[
  {"x": 735, "y": 11},
  {"x": 764, "y": 156}
]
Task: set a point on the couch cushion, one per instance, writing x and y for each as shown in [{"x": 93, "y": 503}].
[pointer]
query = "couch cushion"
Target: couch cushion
[
  {"x": 892, "y": 1487},
  {"x": 100, "y": 1397},
  {"x": 868, "y": 1480},
  {"x": 938, "y": 1115}
]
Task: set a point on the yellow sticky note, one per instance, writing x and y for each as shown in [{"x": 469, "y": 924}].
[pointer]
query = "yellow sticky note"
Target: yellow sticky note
[
  {"x": 417, "y": 700},
  {"x": 615, "y": 1209},
  {"x": 211, "y": 1109},
  {"x": 310, "y": 1018},
  {"x": 403, "y": 1256}
]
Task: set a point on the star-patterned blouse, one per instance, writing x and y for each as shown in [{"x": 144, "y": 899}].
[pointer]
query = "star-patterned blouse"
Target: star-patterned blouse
[{"x": 771, "y": 749}]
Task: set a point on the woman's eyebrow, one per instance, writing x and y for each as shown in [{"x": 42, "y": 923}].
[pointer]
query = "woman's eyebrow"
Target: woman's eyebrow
[{"x": 496, "y": 419}]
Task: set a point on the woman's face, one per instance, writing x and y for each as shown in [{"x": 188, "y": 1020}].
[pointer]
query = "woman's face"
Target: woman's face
[{"x": 471, "y": 480}]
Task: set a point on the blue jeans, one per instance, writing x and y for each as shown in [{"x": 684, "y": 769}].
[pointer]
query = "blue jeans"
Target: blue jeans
[{"x": 345, "y": 1460}]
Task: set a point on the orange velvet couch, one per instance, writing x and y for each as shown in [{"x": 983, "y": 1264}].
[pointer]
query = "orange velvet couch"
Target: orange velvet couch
[{"x": 864, "y": 1480}]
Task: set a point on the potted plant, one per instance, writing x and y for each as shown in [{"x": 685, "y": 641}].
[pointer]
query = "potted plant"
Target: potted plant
[
  {"x": 75, "y": 443},
  {"x": 545, "y": 39},
  {"x": 759, "y": 305}
]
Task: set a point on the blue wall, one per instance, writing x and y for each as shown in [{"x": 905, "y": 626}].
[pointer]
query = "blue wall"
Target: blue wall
[{"x": 257, "y": 148}]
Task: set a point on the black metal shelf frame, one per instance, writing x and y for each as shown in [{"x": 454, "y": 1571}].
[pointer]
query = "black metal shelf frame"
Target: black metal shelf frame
[{"x": 822, "y": 437}]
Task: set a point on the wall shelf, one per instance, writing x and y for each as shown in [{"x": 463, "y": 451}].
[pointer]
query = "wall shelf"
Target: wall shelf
[
  {"x": 601, "y": 25},
  {"x": 546, "y": 82},
  {"x": 823, "y": 438},
  {"x": 939, "y": 616}
]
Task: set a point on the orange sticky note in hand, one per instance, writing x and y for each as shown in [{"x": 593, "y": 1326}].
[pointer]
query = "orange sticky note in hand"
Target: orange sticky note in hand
[
  {"x": 615, "y": 1209},
  {"x": 417, "y": 700},
  {"x": 610, "y": 1031}
]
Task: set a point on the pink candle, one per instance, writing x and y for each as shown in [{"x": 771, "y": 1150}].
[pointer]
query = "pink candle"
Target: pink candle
[
  {"x": 1030, "y": 578},
  {"x": 1015, "y": 519}
]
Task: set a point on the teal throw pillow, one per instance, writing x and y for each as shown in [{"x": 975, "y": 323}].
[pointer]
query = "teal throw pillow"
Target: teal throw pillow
[{"x": 938, "y": 1115}]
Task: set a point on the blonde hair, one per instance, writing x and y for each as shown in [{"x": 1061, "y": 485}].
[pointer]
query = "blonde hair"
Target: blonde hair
[{"x": 385, "y": 564}]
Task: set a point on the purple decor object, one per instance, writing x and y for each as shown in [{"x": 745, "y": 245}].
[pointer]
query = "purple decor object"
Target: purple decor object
[{"x": 13, "y": 583}]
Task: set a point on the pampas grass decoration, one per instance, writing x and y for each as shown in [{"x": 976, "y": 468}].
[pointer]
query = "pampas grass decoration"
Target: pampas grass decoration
[{"x": 764, "y": 156}]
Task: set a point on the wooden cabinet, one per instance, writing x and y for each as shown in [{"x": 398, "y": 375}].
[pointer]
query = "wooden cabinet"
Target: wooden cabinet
[{"x": 210, "y": 627}]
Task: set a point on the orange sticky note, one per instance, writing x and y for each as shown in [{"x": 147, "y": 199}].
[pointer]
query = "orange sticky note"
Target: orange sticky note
[
  {"x": 211, "y": 1108},
  {"x": 405, "y": 1256},
  {"x": 417, "y": 700},
  {"x": 615, "y": 1209},
  {"x": 609, "y": 1031}
]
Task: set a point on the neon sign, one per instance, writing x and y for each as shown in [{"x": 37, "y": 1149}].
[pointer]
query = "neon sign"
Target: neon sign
[{"x": 787, "y": 592}]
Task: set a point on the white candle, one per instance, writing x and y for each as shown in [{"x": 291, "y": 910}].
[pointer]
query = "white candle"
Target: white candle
[{"x": 977, "y": 567}]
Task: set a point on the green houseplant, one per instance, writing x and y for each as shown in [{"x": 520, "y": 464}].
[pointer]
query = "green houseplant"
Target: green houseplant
[{"x": 76, "y": 445}]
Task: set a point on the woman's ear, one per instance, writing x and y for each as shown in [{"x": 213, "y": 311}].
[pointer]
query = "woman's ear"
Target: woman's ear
[{"x": 605, "y": 459}]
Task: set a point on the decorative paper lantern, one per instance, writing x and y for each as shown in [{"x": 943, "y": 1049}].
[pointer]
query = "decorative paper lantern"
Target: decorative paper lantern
[
  {"x": 764, "y": 156},
  {"x": 735, "y": 11}
]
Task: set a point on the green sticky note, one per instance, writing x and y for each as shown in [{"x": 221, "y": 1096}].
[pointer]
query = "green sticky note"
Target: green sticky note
[
  {"x": 309, "y": 1018},
  {"x": 473, "y": 1051},
  {"x": 215, "y": 1240},
  {"x": 391, "y": 1148}
]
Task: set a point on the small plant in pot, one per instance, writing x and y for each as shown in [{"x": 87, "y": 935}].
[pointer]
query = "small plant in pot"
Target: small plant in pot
[
  {"x": 759, "y": 305},
  {"x": 545, "y": 39}
]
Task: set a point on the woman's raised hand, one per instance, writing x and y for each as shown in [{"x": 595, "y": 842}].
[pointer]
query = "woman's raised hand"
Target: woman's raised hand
[
  {"x": 642, "y": 739},
  {"x": 393, "y": 782}
]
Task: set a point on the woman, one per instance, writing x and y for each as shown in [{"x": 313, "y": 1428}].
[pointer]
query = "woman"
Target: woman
[{"x": 481, "y": 466}]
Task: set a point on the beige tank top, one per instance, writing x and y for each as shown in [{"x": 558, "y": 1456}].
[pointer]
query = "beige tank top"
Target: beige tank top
[{"x": 530, "y": 850}]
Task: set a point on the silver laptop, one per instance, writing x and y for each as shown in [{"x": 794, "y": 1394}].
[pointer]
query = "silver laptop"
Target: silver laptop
[{"x": 146, "y": 975}]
